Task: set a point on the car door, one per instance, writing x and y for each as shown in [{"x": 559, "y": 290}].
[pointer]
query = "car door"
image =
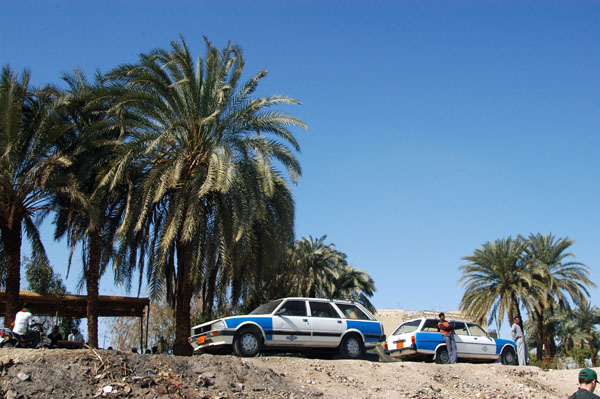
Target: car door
[
  {"x": 326, "y": 324},
  {"x": 462, "y": 338},
  {"x": 484, "y": 346},
  {"x": 291, "y": 324}
]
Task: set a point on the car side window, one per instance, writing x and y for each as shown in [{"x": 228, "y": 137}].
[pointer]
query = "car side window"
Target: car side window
[
  {"x": 352, "y": 312},
  {"x": 431, "y": 325},
  {"x": 460, "y": 328},
  {"x": 321, "y": 309},
  {"x": 477, "y": 331},
  {"x": 293, "y": 308}
]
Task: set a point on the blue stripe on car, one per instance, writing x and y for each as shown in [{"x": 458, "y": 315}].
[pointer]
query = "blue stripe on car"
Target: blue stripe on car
[
  {"x": 500, "y": 343},
  {"x": 428, "y": 340},
  {"x": 369, "y": 329},
  {"x": 266, "y": 323}
]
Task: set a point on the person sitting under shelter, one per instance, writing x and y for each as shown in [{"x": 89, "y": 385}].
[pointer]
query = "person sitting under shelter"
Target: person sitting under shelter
[{"x": 76, "y": 336}]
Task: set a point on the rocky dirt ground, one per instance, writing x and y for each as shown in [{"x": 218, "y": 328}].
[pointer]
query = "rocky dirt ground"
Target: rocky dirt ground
[{"x": 62, "y": 373}]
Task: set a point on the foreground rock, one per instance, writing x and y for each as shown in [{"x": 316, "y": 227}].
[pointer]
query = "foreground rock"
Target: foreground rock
[{"x": 113, "y": 374}]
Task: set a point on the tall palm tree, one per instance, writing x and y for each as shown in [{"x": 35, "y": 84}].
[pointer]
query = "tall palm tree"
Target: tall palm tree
[
  {"x": 354, "y": 284},
  {"x": 316, "y": 266},
  {"x": 587, "y": 317},
  {"x": 560, "y": 280},
  {"x": 27, "y": 158},
  {"x": 199, "y": 131},
  {"x": 85, "y": 213},
  {"x": 496, "y": 280}
]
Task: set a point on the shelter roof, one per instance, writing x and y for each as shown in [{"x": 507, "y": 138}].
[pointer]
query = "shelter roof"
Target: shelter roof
[{"x": 75, "y": 305}]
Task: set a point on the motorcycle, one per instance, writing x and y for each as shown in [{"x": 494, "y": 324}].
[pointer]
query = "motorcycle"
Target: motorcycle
[{"x": 35, "y": 338}]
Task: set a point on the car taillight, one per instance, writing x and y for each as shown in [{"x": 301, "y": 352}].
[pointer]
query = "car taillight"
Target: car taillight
[
  {"x": 386, "y": 347},
  {"x": 413, "y": 339}
]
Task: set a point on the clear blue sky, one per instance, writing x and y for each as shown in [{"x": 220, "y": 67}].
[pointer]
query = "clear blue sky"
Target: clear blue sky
[{"x": 433, "y": 126}]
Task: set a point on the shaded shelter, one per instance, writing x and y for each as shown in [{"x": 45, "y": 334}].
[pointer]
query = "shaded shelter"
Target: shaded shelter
[{"x": 74, "y": 306}]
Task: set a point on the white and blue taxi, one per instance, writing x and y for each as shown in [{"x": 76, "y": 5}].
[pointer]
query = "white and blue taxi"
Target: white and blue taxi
[
  {"x": 420, "y": 339},
  {"x": 293, "y": 324}
]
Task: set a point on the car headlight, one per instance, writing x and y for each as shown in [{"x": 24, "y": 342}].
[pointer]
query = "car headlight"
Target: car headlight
[{"x": 218, "y": 325}]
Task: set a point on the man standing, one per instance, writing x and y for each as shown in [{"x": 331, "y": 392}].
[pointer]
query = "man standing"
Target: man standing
[
  {"x": 516, "y": 333},
  {"x": 587, "y": 383},
  {"x": 54, "y": 336},
  {"x": 22, "y": 320},
  {"x": 448, "y": 333}
]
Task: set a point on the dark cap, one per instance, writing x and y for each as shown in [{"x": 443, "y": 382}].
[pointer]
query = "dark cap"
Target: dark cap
[
  {"x": 588, "y": 375},
  {"x": 441, "y": 314}
]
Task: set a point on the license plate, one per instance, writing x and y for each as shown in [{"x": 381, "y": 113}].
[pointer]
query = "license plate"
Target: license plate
[{"x": 399, "y": 345}]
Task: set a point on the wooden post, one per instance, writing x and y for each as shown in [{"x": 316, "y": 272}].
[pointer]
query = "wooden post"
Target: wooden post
[
  {"x": 147, "y": 323},
  {"x": 141, "y": 334}
]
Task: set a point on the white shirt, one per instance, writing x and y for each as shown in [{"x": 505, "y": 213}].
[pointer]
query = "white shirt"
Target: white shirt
[
  {"x": 22, "y": 321},
  {"x": 75, "y": 337},
  {"x": 516, "y": 332}
]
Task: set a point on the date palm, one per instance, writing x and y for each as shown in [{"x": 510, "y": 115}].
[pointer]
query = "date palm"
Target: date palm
[
  {"x": 562, "y": 281},
  {"x": 315, "y": 266},
  {"x": 354, "y": 284},
  {"x": 28, "y": 131},
  {"x": 86, "y": 214},
  {"x": 199, "y": 130},
  {"x": 496, "y": 280}
]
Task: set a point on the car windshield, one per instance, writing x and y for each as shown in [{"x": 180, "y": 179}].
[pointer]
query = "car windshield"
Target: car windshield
[{"x": 267, "y": 308}]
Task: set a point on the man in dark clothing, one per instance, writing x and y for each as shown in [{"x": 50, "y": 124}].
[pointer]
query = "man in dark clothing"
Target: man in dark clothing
[
  {"x": 448, "y": 333},
  {"x": 54, "y": 337},
  {"x": 587, "y": 383}
]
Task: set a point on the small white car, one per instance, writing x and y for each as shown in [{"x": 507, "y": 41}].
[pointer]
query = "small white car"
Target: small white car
[
  {"x": 420, "y": 339},
  {"x": 293, "y": 324}
]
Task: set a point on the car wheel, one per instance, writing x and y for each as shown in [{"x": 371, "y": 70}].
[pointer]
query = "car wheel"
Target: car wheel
[
  {"x": 442, "y": 356},
  {"x": 509, "y": 357},
  {"x": 247, "y": 343},
  {"x": 351, "y": 347}
]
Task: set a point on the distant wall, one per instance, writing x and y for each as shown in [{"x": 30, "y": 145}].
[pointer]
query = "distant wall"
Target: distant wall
[{"x": 391, "y": 318}]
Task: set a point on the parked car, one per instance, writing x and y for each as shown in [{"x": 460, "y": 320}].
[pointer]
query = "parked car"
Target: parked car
[
  {"x": 420, "y": 339},
  {"x": 293, "y": 324}
]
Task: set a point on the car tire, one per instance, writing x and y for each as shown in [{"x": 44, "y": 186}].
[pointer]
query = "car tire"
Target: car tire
[
  {"x": 509, "y": 357},
  {"x": 352, "y": 347},
  {"x": 442, "y": 356},
  {"x": 247, "y": 343}
]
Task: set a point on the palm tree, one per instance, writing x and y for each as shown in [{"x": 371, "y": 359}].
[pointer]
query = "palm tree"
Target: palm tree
[
  {"x": 588, "y": 316},
  {"x": 316, "y": 267},
  {"x": 27, "y": 159},
  {"x": 354, "y": 284},
  {"x": 496, "y": 281},
  {"x": 208, "y": 150},
  {"x": 559, "y": 279},
  {"x": 87, "y": 214}
]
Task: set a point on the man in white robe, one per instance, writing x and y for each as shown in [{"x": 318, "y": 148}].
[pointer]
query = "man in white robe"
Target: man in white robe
[{"x": 517, "y": 335}]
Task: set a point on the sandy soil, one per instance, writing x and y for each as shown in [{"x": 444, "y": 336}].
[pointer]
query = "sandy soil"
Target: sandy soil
[{"x": 86, "y": 374}]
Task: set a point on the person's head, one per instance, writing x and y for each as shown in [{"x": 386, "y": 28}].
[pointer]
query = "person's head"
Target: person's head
[
  {"x": 74, "y": 331},
  {"x": 442, "y": 316},
  {"x": 588, "y": 379},
  {"x": 26, "y": 305},
  {"x": 134, "y": 349},
  {"x": 55, "y": 328},
  {"x": 517, "y": 320}
]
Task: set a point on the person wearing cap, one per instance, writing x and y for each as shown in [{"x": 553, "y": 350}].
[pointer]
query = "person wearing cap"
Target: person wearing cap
[
  {"x": 448, "y": 333},
  {"x": 587, "y": 383},
  {"x": 516, "y": 332}
]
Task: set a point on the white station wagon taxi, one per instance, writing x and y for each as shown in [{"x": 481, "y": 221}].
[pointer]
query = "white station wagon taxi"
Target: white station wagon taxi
[
  {"x": 420, "y": 339},
  {"x": 293, "y": 324}
]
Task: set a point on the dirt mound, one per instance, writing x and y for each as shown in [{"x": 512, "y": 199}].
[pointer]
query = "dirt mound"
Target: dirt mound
[
  {"x": 61, "y": 373},
  {"x": 112, "y": 374}
]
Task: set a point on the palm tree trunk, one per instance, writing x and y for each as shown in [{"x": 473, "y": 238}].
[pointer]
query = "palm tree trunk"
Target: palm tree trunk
[
  {"x": 92, "y": 283},
  {"x": 210, "y": 294},
  {"x": 539, "y": 355},
  {"x": 183, "y": 292},
  {"x": 11, "y": 239}
]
